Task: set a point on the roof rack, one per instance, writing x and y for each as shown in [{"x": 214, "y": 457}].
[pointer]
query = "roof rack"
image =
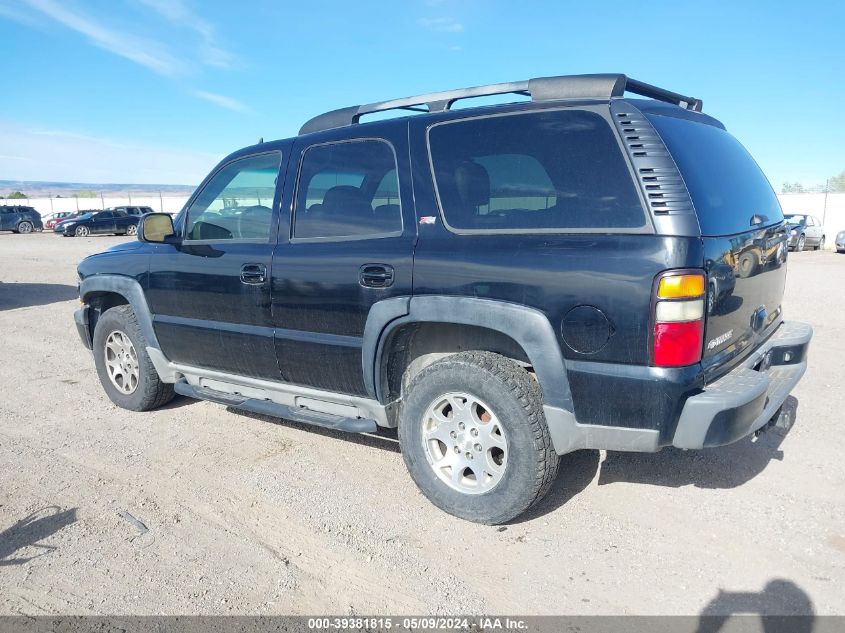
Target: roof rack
[{"x": 603, "y": 86}]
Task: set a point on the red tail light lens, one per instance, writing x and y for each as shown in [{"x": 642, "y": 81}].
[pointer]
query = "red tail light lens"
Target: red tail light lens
[
  {"x": 678, "y": 317},
  {"x": 678, "y": 344}
]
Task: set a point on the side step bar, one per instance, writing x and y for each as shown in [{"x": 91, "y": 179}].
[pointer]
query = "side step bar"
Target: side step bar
[{"x": 273, "y": 409}]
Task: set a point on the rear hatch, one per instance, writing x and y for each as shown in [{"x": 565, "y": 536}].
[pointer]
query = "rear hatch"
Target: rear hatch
[{"x": 744, "y": 236}]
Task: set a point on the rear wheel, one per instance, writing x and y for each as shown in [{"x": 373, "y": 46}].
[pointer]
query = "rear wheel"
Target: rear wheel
[
  {"x": 800, "y": 245},
  {"x": 126, "y": 372},
  {"x": 131, "y": 230},
  {"x": 81, "y": 231},
  {"x": 820, "y": 247},
  {"x": 25, "y": 227},
  {"x": 474, "y": 437}
]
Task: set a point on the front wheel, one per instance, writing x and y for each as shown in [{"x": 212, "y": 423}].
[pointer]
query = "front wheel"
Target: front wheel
[
  {"x": 474, "y": 437},
  {"x": 126, "y": 372},
  {"x": 800, "y": 245},
  {"x": 820, "y": 247},
  {"x": 81, "y": 231},
  {"x": 131, "y": 230}
]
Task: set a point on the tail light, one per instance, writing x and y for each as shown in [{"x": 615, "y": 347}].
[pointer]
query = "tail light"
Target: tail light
[{"x": 678, "y": 334}]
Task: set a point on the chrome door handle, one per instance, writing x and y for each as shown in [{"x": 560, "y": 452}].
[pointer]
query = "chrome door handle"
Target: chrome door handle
[{"x": 253, "y": 274}]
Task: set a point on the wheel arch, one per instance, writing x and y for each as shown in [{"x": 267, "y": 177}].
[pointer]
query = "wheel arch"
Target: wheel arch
[
  {"x": 107, "y": 291},
  {"x": 420, "y": 329}
]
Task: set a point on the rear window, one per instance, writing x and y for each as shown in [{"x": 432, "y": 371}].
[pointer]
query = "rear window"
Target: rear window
[
  {"x": 542, "y": 171},
  {"x": 726, "y": 185}
]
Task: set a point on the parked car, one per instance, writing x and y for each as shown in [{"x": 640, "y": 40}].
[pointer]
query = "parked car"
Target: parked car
[
  {"x": 504, "y": 284},
  {"x": 100, "y": 222},
  {"x": 53, "y": 219},
  {"x": 840, "y": 242},
  {"x": 131, "y": 210},
  {"x": 20, "y": 219},
  {"x": 58, "y": 227},
  {"x": 804, "y": 230}
]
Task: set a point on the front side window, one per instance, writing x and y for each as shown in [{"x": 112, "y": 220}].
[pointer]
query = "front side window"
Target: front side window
[
  {"x": 237, "y": 204},
  {"x": 539, "y": 171},
  {"x": 348, "y": 190}
]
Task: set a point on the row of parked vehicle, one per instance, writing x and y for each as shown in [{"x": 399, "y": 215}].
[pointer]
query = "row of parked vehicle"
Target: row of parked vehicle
[{"x": 117, "y": 220}]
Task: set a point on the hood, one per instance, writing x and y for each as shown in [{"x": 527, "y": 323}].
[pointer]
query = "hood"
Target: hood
[{"x": 124, "y": 246}]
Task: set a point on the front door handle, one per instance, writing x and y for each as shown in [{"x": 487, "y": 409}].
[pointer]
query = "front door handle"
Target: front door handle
[
  {"x": 253, "y": 274},
  {"x": 376, "y": 275}
]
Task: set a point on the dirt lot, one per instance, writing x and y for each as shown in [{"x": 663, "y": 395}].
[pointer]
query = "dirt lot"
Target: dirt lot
[{"x": 244, "y": 514}]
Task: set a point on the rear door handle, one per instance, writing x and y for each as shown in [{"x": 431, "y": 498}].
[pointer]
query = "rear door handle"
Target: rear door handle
[
  {"x": 376, "y": 275},
  {"x": 253, "y": 274}
]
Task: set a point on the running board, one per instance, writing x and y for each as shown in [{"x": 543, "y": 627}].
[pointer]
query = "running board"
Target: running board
[{"x": 276, "y": 410}]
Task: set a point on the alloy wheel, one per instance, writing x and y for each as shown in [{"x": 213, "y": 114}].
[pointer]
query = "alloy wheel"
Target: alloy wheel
[
  {"x": 122, "y": 362},
  {"x": 464, "y": 443}
]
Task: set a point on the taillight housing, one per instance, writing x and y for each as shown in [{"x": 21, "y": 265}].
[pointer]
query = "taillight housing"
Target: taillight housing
[{"x": 677, "y": 337}]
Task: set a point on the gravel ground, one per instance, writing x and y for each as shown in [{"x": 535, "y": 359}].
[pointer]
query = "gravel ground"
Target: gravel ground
[{"x": 196, "y": 509}]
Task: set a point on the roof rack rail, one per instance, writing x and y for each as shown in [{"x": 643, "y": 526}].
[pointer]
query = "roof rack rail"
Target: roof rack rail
[{"x": 603, "y": 86}]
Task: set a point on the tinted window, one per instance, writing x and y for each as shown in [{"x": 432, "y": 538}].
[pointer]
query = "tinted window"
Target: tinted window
[
  {"x": 726, "y": 186},
  {"x": 238, "y": 201},
  {"x": 348, "y": 190},
  {"x": 540, "y": 171},
  {"x": 105, "y": 215}
]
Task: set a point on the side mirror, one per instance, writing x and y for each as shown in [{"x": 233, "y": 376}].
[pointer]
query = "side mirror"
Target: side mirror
[{"x": 156, "y": 228}]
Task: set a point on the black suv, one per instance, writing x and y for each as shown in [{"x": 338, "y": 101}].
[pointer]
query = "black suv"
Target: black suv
[
  {"x": 132, "y": 210},
  {"x": 20, "y": 219},
  {"x": 504, "y": 284}
]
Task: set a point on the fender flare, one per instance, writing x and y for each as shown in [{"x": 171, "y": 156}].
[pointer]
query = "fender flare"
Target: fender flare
[
  {"x": 129, "y": 289},
  {"x": 529, "y": 327}
]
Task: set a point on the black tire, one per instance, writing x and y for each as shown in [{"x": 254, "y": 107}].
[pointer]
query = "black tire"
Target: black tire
[
  {"x": 799, "y": 246},
  {"x": 820, "y": 247},
  {"x": 517, "y": 403},
  {"x": 25, "y": 227},
  {"x": 81, "y": 231},
  {"x": 150, "y": 391}
]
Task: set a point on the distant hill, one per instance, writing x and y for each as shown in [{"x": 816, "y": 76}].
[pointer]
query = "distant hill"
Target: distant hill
[{"x": 43, "y": 189}]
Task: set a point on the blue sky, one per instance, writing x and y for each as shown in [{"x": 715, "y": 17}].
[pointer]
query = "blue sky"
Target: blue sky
[{"x": 156, "y": 91}]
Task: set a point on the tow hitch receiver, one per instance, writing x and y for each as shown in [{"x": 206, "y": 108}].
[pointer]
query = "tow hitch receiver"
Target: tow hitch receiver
[{"x": 783, "y": 419}]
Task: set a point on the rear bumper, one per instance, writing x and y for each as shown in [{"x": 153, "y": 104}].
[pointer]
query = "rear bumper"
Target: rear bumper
[
  {"x": 745, "y": 399},
  {"x": 80, "y": 317}
]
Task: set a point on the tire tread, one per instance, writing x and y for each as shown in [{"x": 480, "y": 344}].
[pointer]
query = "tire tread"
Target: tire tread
[
  {"x": 155, "y": 392},
  {"x": 525, "y": 390}
]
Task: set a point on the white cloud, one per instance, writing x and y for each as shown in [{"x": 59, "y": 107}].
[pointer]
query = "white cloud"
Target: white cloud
[
  {"x": 142, "y": 51},
  {"x": 441, "y": 25},
  {"x": 180, "y": 14},
  {"x": 223, "y": 101},
  {"x": 66, "y": 156}
]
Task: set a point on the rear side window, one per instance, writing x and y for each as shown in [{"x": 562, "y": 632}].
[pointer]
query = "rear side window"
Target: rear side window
[
  {"x": 543, "y": 171},
  {"x": 348, "y": 190},
  {"x": 726, "y": 185}
]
